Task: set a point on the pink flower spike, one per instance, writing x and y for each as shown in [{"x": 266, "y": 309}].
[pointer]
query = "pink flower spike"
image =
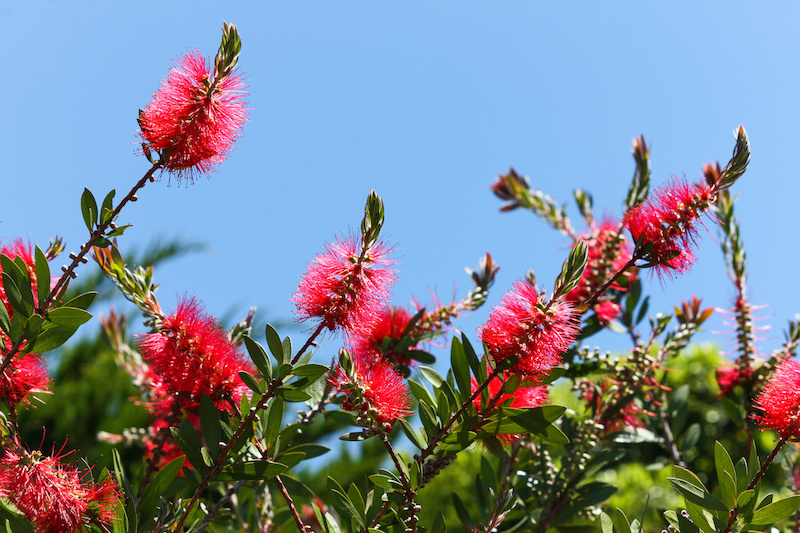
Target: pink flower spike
[
  {"x": 522, "y": 327},
  {"x": 667, "y": 223},
  {"x": 23, "y": 377},
  {"x": 374, "y": 390},
  {"x": 779, "y": 401},
  {"x": 192, "y": 355},
  {"x": 381, "y": 340},
  {"x": 343, "y": 289},
  {"x": 53, "y": 496},
  {"x": 195, "y": 115}
]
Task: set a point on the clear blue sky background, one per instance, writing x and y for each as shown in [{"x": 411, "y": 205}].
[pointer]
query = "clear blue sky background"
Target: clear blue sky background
[{"x": 426, "y": 102}]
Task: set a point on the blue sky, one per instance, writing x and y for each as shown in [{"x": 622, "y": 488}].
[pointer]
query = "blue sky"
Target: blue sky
[{"x": 425, "y": 102}]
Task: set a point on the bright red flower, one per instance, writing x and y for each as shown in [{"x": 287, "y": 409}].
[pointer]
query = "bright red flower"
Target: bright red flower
[
  {"x": 192, "y": 355},
  {"x": 779, "y": 401},
  {"x": 373, "y": 389},
  {"x": 520, "y": 398},
  {"x": 382, "y": 340},
  {"x": 667, "y": 223},
  {"x": 533, "y": 332},
  {"x": 23, "y": 377},
  {"x": 343, "y": 289},
  {"x": 196, "y": 115},
  {"x": 730, "y": 376},
  {"x": 54, "y": 497},
  {"x": 608, "y": 252}
]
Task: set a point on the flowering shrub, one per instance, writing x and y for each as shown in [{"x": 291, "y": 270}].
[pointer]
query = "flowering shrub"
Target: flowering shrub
[{"x": 233, "y": 421}]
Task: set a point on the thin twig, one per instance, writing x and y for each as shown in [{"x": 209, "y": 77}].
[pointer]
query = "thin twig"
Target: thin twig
[{"x": 298, "y": 520}]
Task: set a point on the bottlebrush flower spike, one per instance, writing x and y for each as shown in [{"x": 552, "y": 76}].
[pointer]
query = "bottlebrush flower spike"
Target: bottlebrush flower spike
[
  {"x": 192, "y": 356},
  {"x": 197, "y": 113},
  {"x": 779, "y": 401},
  {"x": 348, "y": 284},
  {"x": 663, "y": 228},
  {"x": 384, "y": 339},
  {"x": 530, "y": 331},
  {"x": 23, "y": 377},
  {"x": 608, "y": 252},
  {"x": 373, "y": 389},
  {"x": 54, "y": 497}
]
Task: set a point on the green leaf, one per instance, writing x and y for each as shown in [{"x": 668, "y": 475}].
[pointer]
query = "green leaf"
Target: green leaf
[
  {"x": 275, "y": 345},
  {"x": 188, "y": 441},
  {"x": 251, "y": 471},
  {"x": 82, "y": 301},
  {"x": 158, "y": 487},
  {"x": 14, "y": 296},
  {"x": 89, "y": 209},
  {"x": 249, "y": 380},
  {"x": 68, "y": 316},
  {"x": 428, "y": 419},
  {"x": 5, "y": 320},
  {"x": 461, "y": 511},
  {"x": 274, "y": 421},
  {"x": 728, "y": 490},
  {"x": 697, "y": 495},
  {"x": 420, "y": 392},
  {"x": 432, "y": 376},
  {"x": 310, "y": 450},
  {"x": 107, "y": 208},
  {"x": 415, "y": 438},
  {"x": 724, "y": 464},
  {"x": 42, "y": 276},
  {"x": 116, "y": 232},
  {"x": 533, "y": 420},
  {"x": 587, "y": 495},
  {"x": 776, "y": 511},
  {"x": 478, "y": 370},
  {"x": 421, "y": 356},
  {"x": 326, "y": 521},
  {"x": 606, "y": 525},
  {"x": 210, "y": 423},
  {"x": 460, "y": 365},
  {"x": 292, "y": 395},
  {"x": 259, "y": 357},
  {"x": 313, "y": 371},
  {"x": 52, "y": 337}
]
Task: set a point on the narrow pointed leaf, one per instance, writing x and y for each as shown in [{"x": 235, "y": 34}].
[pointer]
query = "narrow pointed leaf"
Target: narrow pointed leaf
[{"x": 42, "y": 276}]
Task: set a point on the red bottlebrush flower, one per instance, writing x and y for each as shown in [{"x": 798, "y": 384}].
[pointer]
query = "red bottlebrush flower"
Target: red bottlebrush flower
[
  {"x": 196, "y": 114},
  {"x": 520, "y": 398},
  {"x": 374, "y": 390},
  {"x": 23, "y": 377},
  {"x": 779, "y": 401},
  {"x": 525, "y": 328},
  {"x": 729, "y": 377},
  {"x": 666, "y": 223},
  {"x": 192, "y": 356},
  {"x": 608, "y": 252},
  {"x": 54, "y": 497},
  {"x": 382, "y": 340},
  {"x": 344, "y": 289}
]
